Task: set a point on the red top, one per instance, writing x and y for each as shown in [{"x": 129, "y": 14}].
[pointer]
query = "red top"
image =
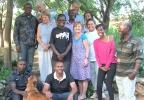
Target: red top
[{"x": 105, "y": 52}]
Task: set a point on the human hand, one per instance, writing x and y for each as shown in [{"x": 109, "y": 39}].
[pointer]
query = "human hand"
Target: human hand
[
  {"x": 18, "y": 49},
  {"x": 104, "y": 68},
  {"x": 70, "y": 97},
  {"x": 49, "y": 94},
  {"x": 60, "y": 57},
  {"x": 24, "y": 93},
  {"x": 85, "y": 62},
  {"x": 132, "y": 75},
  {"x": 45, "y": 46}
]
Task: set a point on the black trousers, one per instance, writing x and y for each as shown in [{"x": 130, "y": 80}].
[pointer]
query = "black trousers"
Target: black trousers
[{"x": 109, "y": 80}]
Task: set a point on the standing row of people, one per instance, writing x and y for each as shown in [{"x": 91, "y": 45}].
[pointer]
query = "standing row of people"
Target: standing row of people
[{"x": 85, "y": 53}]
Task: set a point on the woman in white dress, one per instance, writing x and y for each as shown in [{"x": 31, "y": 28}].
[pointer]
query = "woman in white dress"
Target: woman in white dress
[{"x": 44, "y": 50}]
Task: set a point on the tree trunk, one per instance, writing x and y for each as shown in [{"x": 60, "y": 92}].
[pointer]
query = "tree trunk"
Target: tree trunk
[
  {"x": 1, "y": 28},
  {"x": 1, "y": 36},
  {"x": 7, "y": 34}
]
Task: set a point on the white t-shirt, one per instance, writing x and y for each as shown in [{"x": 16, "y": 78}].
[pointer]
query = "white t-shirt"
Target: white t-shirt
[{"x": 91, "y": 37}]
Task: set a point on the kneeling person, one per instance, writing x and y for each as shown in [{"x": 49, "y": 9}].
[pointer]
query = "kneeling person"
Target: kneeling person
[{"x": 61, "y": 84}]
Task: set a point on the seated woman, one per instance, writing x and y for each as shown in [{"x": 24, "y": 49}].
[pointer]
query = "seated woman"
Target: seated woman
[{"x": 61, "y": 84}]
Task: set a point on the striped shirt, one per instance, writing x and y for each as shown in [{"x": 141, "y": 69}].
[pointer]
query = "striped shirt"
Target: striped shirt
[{"x": 128, "y": 52}]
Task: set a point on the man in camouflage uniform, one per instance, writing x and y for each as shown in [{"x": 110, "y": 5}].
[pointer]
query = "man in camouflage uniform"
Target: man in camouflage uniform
[
  {"x": 25, "y": 34},
  {"x": 130, "y": 56}
]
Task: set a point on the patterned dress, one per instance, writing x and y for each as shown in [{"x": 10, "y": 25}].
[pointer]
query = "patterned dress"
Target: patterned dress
[{"x": 78, "y": 70}]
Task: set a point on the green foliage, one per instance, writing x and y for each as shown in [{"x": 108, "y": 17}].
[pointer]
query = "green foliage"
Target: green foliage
[
  {"x": 90, "y": 90},
  {"x": 141, "y": 71},
  {"x": 113, "y": 30},
  {"x": 4, "y": 71},
  {"x": 137, "y": 20}
]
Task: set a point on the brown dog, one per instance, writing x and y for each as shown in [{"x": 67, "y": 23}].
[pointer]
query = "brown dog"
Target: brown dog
[{"x": 31, "y": 91}]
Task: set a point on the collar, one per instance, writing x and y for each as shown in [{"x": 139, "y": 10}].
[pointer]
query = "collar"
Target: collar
[
  {"x": 129, "y": 37},
  {"x": 27, "y": 15},
  {"x": 64, "y": 76},
  {"x": 19, "y": 73}
]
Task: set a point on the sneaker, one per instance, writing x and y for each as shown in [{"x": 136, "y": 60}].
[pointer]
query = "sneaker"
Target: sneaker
[
  {"x": 103, "y": 95},
  {"x": 94, "y": 95}
]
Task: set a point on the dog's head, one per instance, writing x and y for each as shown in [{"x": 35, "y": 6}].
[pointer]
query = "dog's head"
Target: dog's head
[{"x": 33, "y": 79}]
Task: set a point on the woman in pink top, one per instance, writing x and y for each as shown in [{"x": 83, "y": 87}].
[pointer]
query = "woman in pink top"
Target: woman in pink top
[{"x": 105, "y": 55}]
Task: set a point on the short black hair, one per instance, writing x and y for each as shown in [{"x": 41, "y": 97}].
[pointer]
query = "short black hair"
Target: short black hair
[
  {"x": 27, "y": 3},
  {"x": 61, "y": 15},
  {"x": 100, "y": 25},
  {"x": 21, "y": 60},
  {"x": 90, "y": 20}
]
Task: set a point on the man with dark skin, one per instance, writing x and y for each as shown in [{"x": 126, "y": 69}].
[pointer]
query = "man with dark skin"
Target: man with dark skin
[
  {"x": 25, "y": 34},
  {"x": 61, "y": 41},
  {"x": 60, "y": 85},
  {"x": 70, "y": 23},
  {"x": 18, "y": 81},
  {"x": 129, "y": 58}
]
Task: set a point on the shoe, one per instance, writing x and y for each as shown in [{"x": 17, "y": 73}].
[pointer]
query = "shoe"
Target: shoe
[
  {"x": 103, "y": 95},
  {"x": 94, "y": 95}
]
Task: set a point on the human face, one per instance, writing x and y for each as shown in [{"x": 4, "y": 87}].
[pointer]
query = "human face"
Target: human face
[
  {"x": 78, "y": 28},
  {"x": 41, "y": 8},
  {"x": 59, "y": 68},
  {"x": 88, "y": 16},
  {"x": 21, "y": 65},
  {"x": 61, "y": 21},
  {"x": 28, "y": 9},
  {"x": 91, "y": 26},
  {"x": 100, "y": 31},
  {"x": 76, "y": 7},
  {"x": 123, "y": 30},
  {"x": 45, "y": 19},
  {"x": 72, "y": 15}
]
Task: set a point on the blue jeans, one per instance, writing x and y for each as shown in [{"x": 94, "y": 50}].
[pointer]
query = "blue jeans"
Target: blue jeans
[
  {"x": 62, "y": 96},
  {"x": 27, "y": 53}
]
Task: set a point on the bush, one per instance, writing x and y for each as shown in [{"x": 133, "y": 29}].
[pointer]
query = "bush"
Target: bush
[{"x": 4, "y": 71}]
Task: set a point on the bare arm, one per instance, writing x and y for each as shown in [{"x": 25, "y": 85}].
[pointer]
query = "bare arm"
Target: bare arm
[
  {"x": 67, "y": 49},
  {"x": 44, "y": 45},
  {"x": 86, "y": 45},
  {"x": 54, "y": 49},
  {"x": 13, "y": 87},
  {"x": 39, "y": 37},
  {"x": 46, "y": 90}
]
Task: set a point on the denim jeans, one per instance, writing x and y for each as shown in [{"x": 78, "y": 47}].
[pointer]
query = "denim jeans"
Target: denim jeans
[
  {"x": 15, "y": 97},
  {"x": 27, "y": 53},
  {"x": 94, "y": 73},
  {"x": 62, "y": 96}
]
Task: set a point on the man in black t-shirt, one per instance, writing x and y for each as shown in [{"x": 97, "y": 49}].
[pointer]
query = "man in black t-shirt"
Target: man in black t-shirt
[
  {"x": 61, "y": 84},
  {"x": 61, "y": 41}
]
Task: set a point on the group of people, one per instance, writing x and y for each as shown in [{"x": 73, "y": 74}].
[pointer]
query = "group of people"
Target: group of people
[{"x": 73, "y": 49}]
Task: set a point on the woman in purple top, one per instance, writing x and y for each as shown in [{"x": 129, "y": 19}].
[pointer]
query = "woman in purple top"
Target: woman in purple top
[
  {"x": 105, "y": 55},
  {"x": 80, "y": 69}
]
